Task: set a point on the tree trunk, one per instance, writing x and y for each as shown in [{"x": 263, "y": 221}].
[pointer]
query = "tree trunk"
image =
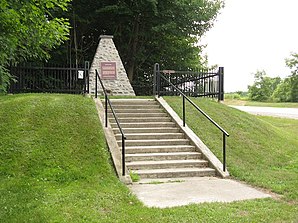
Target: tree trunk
[{"x": 133, "y": 46}]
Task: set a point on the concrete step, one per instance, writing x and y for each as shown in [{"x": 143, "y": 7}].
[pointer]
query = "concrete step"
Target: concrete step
[
  {"x": 132, "y": 101},
  {"x": 175, "y": 172},
  {"x": 144, "y": 124},
  {"x": 149, "y": 136},
  {"x": 159, "y": 149},
  {"x": 155, "y": 146},
  {"x": 147, "y": 130},
  {"x": 135, "y": 115},
  {"x": 139, "y": 110},
  {"x": 161, "y": 142},
  {"x": 145, "y": 165},
  {"x": 162, "y": 156},
  {"x": 141, "y": 119},
  {"x": 135, "y": 106}
]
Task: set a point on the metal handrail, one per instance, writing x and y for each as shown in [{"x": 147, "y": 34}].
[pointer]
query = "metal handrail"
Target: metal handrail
[
  {"x": 107, "y": 101},
  {"x": 225, "y": 133}
]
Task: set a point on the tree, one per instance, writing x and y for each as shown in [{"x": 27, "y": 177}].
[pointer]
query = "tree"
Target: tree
[
  {"x": 145, "y": 31},
  {"x": 287, "y": 90},
  {"x": 263, "y": 87},
  {"x": 283, "y": 91},
  {"x": 28, "y": 30},
  {"x": 292, "y": 63}
]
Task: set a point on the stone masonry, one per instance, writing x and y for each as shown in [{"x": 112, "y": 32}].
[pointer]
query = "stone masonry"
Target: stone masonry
[{"x": 107, "y": 52}]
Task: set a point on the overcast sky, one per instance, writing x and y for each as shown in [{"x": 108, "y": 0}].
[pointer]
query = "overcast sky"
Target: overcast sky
[{"x": 251, "y": 35}]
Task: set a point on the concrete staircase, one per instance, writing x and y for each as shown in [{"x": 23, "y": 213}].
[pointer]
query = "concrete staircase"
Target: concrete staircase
[{"x": 155, "y": 146}]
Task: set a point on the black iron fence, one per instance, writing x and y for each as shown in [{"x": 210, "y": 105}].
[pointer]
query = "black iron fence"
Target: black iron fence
[
  {"x": 203, "y": 83},
  {"x": 53, "y": 79},
  {"x": 142, "y": 88}
]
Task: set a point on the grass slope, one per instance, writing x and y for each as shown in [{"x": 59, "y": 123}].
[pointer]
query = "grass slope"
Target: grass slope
[
  {"x": 260, "y": 150},
  {"x": 55, "y": 167},
  {"x": 54, "y": 163}
]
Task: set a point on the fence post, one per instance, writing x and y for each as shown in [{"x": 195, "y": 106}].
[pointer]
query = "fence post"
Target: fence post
[
  {"x": 221, "y": 84},
  {"x": 158, "y": 79},
  {"x": 154, "y": 78},
  {"x": 86, "y": 71}
]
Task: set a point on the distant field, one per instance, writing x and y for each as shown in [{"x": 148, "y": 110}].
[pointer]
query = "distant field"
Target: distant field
[
  {"x": 55, "y": 166},
  {"x": 260, "y": 104}
]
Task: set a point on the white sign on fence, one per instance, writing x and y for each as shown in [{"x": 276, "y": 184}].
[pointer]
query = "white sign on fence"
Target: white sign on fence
[{"x": 80, "y": 74}]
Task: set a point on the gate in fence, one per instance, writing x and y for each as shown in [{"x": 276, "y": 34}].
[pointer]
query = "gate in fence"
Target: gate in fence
[
  {"x": 203, "y": 83},
  {"x": 58, "y": 79}
]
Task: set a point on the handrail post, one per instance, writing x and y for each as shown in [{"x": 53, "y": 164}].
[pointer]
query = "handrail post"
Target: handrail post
[
  {"x": 224, "y": 152},
  {"x": 96, "y": 83},
  {"x": 106, "y": 110},
  {"x": 123, "y": 155},
  {"x": 183, "y": 110}
]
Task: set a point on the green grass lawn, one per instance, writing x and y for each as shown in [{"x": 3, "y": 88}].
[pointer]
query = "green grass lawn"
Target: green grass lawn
[
  {"x": 55, "y": 167},
  {"x": 260, "y": 150}
]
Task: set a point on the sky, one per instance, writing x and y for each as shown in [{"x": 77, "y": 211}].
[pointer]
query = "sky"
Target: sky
[{"x": 252, "y": 35}]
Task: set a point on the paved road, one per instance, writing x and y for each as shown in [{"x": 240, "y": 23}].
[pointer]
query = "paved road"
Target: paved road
[{"x": 269, "y": 111}]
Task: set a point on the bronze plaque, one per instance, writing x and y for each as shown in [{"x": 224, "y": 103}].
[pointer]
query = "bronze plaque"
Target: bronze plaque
[{"x": 108, "y": 71}]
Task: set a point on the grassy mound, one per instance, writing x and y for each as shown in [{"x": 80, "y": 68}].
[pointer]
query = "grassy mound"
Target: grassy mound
[
  {"x": 55, "y": 167},
  {"x": 54, "y": 163}
]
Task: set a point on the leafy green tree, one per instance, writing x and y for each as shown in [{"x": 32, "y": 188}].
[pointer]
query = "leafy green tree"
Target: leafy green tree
[
  {"x": 283, "y": 91},
  {"x": 28, "y": 30},
  {"x": 263, "y": 87},
  {"x": 292, "y": 63},
  {"x": 287, "y": 90},
  {"x": 145, "y": 32},
  {"x": 266, "y": 88}
]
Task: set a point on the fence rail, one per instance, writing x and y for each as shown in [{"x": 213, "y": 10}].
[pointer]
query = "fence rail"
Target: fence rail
[
  {"x": 204, "y": 83},
  {"x": 66, "y": 79}
]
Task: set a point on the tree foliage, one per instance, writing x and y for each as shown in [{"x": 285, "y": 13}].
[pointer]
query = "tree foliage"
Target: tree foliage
[
  {"x": 266, "y": 88},
  {"x": 288, "y": 89},
  {"x": 283, "y": 91},
  {"x": 28, "y": 30},
  {"x": 263, "y": 87},
  {"x": 292, "y": 63},
  {"x": 145, "y": 31}
]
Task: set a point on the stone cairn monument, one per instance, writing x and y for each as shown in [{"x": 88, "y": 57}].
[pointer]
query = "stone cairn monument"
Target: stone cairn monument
[{"x": 110, "y": 68}]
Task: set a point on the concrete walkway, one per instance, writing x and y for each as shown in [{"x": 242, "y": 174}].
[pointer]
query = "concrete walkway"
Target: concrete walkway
[
  {"x": 186, "y": 191},
  {"x": 269, "y": 111}
]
